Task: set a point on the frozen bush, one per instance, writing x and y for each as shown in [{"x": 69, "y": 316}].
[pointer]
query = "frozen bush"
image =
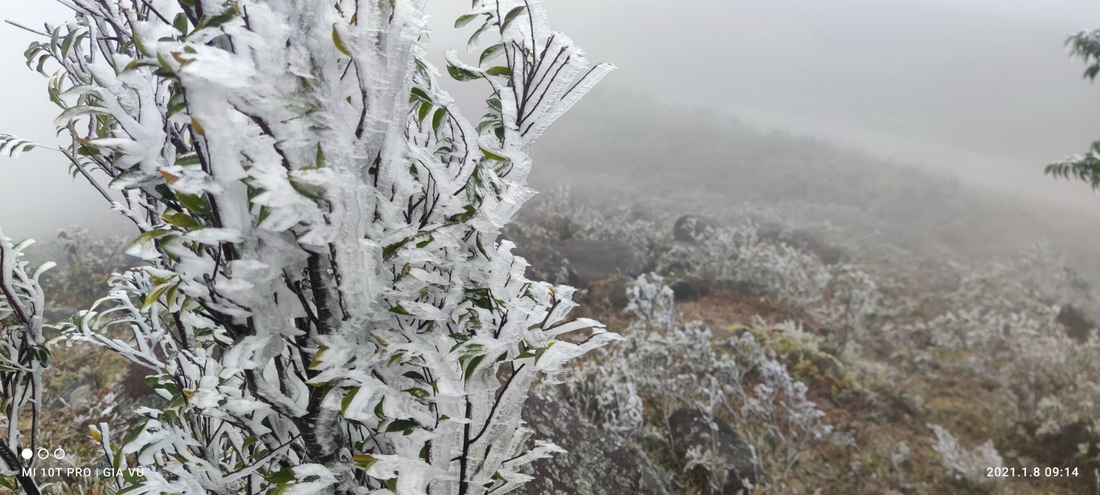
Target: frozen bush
[
  {"x": 969, "y": 465},
  {"x": 24, "y": 356},
  {"x": 1000, "y": 324},
  {"x": 666, "y": 364}
]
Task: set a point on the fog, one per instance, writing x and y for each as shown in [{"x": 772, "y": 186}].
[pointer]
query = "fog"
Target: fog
[{"x": 981, "y": 90}]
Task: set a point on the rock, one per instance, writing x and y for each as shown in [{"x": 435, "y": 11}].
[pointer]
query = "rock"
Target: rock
[
  {"x": 583, "y": 262},
  {"x": 594, "y": 464},
  {"x": 545, "y": 263},
  {"x": 693, "y": 228},
  {"x": 692, "y": 429},
  {"x": 690, "y": 289},
  {"x": 134, "y": 385},
  {"x": 609, "y": 292},
  {"x": 591, "y": 260},
  {"x": 1077, "y": 325},
  {"x": 58, "y": 313},
  {"x": 806, "y": 242}
]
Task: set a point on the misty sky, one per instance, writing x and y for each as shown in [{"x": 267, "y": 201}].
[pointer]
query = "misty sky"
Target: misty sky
[{"x": 979, "y": 88}]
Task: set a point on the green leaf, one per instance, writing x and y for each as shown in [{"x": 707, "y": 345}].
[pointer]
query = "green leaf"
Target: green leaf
[
  {"x": 32, "y": 50},
  {"x": 540, "y": 351},
  {"x": 183, "y": 221},
  {"x": 403, "y": 425},
  {"x": 481, "y": 299},
  {"x": 339, "y": 42},
  {"x": 472, "y": 365},
  {"x": 347, "y": 400},
  {"x": 188, "y": 159},
  {"x": 180, "y": 23},
  {"x": 197, "y": 126},
  {"x": 156, "y": 293},
  {"x": 280, "y": 477},
  {"x": 390, "y": 250},
  {"x": 480, "y": 246},
  {"x": 195, "y": 203},
  {"x": 364, "y": 460},
  {"x": 70, "y": 39},
  {"x": 425, "y": 109},
  {"x": 491, "y": 53},
  {"x": 419, "y": 94},
  {"x": 316, "y": 361},
  {"x": 176, "y": 104},
  {"x": 225, "y": 16},
  {"x": 437, "y": 119},
  {"x": 473, "y": 38},
  {"x": 511, "y": 16},
  {"x": 460, "y": 74},
  {"x": 463, "y": 20},
  {"x": 147, "y": 237},
  {"x": 135, "y": 434},
  {"x": 77, "y": 111},
  {"x": 12, "y": 146},
  {"x": 492, "y": 156},
  {"x": 141, "y": 62},
  {"x": 311, "y": 191},
  {"x": 499, "y": 70},
  {"x": 1091, "y": 72}
]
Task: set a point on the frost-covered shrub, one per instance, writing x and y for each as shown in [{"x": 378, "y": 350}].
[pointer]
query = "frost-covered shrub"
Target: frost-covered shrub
[
  {"x": 85, "y": 263},
  {"x": 839, "y": 295},
  {"x": 323, "y": 304},
  {"x": 740, "y": 256},
  {"x": 969, "y": 465},
  {"x": 24, "y": 355},
  {"x": 666, "y": 364},
  {"x": 560, "y": 214},
  {"x": 652, "y": 303},
  {"x": 1055, "y": 378},
  {"x": 852, "y": 295},
  {"x": 1000, "y": 324}
]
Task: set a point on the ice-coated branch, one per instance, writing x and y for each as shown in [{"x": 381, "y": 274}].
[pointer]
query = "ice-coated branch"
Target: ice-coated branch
[
  {"x": 324, "y": 303},
  {"x": 24, "y": 355}
]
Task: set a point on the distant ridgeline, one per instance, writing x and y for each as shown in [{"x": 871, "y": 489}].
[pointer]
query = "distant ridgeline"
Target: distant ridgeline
[{"x": 670, "y": 152}]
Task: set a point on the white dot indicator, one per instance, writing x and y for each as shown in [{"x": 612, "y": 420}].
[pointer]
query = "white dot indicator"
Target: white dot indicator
[{"x": 27, "y": 454}]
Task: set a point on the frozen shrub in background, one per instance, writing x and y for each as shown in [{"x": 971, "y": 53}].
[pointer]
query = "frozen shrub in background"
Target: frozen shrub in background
[
  {"x": 1001, "y": 324},
  {"x": 966, "y": 464},
  {"x": 323, "y": 304},
  {"x": 85, "y": 263},
  {"x": 839, "y": 295},
  {"x": 665, "y": 365}
]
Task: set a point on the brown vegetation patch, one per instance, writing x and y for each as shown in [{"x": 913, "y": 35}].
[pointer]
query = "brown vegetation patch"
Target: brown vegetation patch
[{"x": 724, "y": 307}]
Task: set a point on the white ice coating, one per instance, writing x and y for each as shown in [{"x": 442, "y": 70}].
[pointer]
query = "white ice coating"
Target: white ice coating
[{"x": 324, "y": 287}]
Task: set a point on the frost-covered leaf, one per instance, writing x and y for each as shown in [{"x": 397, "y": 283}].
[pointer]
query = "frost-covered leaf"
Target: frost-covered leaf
[{"x": 13, "y": 146}]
